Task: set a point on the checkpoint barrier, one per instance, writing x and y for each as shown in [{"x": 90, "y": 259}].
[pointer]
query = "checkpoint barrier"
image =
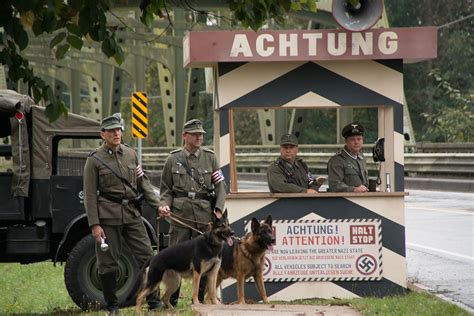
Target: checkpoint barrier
[{"x": 290, "y": 69}]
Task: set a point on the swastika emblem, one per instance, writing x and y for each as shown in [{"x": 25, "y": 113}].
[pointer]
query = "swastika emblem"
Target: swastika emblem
[
  {"x": 268, "y": 266},
  {"x": 366, "y": 264}
]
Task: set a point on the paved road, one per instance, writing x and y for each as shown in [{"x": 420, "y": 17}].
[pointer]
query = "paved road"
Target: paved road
[{"x": 440, "y": 243}]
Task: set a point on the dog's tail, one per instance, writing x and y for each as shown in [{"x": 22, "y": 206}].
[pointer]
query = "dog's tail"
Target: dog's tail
[{"x": 140, "y": 281}]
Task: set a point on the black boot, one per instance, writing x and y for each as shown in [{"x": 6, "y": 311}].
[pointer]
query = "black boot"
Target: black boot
[
  {"x": 109, "y": 286},
  {"x": 154, "y": 301},
  {"x": 202, "y": 288},
  {"x": 175, "y": 296}
]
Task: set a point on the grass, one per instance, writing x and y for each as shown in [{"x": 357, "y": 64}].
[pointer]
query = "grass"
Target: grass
[{"x": 39, "y": 289}]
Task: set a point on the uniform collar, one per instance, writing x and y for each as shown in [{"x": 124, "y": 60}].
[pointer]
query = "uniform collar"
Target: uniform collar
[
  {"x": 289, "y": 164},
  {"x": 358, "y": 156},
  {"x": 197, "y": 153},
  {"x": 109, "y": 151}
]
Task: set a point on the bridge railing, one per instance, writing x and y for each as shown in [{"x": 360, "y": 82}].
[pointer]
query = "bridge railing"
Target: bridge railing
[{"x": 433, "y": 160}]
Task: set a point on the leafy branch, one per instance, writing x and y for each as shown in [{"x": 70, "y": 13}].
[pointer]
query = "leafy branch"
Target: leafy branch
[{"x": 72, "y": 21}]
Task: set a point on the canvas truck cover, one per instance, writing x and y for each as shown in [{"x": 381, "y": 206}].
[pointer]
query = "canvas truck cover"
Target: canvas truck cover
[
  {"x": 11, "y": 103},
  {"x": 44, "y": 131},
  {"x": 41, "y": 133}
]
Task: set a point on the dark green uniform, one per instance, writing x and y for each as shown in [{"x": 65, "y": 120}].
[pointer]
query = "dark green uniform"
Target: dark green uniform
[
  {"x": 187, "y": 196},
  {"x": 284, "y": 177},
  {"x": 119, "y": 221},
  {"x": 347, "y": 171}
]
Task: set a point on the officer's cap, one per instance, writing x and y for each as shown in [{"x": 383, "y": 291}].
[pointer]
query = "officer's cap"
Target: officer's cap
[
  {"x": 352, "y": 129},
  {"x": 111, "y": 122},
  {"x": 289, "y": 139},
  {"x": 193, "y": 126}
]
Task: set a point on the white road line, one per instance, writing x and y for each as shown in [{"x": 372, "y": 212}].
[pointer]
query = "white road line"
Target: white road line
[
  {"x": 443, "y": 210},
  {"x": 436, "y": 250}
]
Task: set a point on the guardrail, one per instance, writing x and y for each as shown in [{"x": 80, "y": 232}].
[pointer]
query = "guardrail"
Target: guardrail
[{"x": 253, "y": 159}]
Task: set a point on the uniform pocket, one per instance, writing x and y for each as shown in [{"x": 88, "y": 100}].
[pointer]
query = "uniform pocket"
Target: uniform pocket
[
  {"x": 106, "y": 178},
  {"x": 179, "y": 177},
  {"x": 351, "y": 176}
]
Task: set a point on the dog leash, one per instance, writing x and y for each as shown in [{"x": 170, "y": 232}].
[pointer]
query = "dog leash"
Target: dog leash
[{"x": 174, "y": 217}]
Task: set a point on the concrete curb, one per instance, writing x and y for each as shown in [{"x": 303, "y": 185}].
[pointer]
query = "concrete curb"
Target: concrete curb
[{"x": 420, "y": 288}]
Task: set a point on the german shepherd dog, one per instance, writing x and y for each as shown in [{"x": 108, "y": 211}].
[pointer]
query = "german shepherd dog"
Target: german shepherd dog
[
  {"x": 246, "y": 258},
  {"x": 189, "y": 259}
]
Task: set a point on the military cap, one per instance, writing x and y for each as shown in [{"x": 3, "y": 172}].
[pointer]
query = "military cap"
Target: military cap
[
  {"x": 289, "y": 139},
  {"x": 352, "y": 129},
  {"x": 111, "y": 122},
  {"x": 193, "y": 126}
]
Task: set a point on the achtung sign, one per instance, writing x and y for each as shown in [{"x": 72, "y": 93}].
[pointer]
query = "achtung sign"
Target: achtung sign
[
  {"x": 205, "y": 48},
  {"x": 139, "y": 115},
  {"x": 325, "y": 250}
]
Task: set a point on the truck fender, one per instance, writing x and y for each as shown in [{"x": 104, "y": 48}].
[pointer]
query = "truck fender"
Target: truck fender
[{"x": 77, "y": 228}]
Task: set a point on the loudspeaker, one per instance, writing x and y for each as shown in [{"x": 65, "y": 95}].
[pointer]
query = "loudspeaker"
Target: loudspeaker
[{"x": 358, "y": 18}]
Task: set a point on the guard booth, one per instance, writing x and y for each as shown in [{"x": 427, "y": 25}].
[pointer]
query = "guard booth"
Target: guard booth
[{"x": 328, "y": 245}]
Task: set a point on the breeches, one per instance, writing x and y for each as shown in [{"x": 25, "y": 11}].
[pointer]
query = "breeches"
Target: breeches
[{"x": 136, "y": 238}]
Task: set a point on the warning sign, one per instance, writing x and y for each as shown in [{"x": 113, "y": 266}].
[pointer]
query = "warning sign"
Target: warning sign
[{"x": 325, "y": 250}]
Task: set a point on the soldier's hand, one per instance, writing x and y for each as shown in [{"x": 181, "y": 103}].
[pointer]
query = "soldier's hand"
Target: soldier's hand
[
  {"x": 98, "y": 232},
  {"x": 361, "y": 188},
  {"x": 164, "y": 211},
  {"x": 311, "y": 191}
]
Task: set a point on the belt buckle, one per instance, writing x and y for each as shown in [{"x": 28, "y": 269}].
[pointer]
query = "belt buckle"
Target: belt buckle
[
  {"x": 125, "y": 202},
  {"x": 192, "y": 195}
]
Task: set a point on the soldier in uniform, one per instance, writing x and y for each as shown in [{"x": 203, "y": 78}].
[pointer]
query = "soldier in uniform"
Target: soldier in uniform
[
  {"x": 289, "y": 173},
  {"x": 190, "y": 178},
  {"x": 112, "y": 210},
  {"x": 347, "y": 170}
]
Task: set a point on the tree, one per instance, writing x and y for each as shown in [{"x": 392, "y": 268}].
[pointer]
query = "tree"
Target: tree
[
  {"x": 72, "y": 21},
  {"x": 429, "y": 85}
]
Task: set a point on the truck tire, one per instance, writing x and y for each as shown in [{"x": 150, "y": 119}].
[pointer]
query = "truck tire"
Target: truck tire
[{"x": 82, "y": 280}]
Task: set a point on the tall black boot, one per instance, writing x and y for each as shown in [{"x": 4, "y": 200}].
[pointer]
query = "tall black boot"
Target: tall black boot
[
  {"x": 202, "y": 288},
  {"x": 109, "y": 286},
  {"x": 154, "y": 301},
  {"x": 175, "y": 296}
]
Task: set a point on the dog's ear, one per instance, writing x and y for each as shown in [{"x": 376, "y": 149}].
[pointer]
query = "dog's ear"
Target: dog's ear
[
  {"x": 224, "y": 215},
  {"x": 255, "y": 224},
  {"x": 269, "y": 220}
]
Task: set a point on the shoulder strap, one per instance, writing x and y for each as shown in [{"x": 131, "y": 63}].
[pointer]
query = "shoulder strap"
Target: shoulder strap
[{"x": 125, "y": 181}]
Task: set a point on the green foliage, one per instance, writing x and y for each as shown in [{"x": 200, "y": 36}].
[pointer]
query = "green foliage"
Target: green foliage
[
  {"x": 72, "y": 21},
  {"x": 434, "y": 89}
]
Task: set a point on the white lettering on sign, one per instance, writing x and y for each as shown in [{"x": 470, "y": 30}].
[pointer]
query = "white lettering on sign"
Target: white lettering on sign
[
  {"x": 291, "y": 43},
  {"x": 240, "y": 46},
  {"x": 341, "y": 44},
  {"x": 260, "y": 45},
  {"x": 388, "y": 43},
  {"x": 361, "y": 43},
  {"x": 312, "y": 44}
]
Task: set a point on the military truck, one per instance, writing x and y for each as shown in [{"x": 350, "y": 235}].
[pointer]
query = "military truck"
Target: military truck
[{"x": 42, "y": 214}]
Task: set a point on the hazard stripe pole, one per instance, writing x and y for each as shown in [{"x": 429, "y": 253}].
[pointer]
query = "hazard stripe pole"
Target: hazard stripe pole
[{"x": 139, "y": 120}]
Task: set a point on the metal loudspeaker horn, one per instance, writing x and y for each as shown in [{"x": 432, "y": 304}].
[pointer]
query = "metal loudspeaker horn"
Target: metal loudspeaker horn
[{"x": 359, "y": 17}]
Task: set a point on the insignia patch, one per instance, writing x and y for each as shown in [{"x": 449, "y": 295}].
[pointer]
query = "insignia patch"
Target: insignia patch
[
  {"x": 139, "y": 171},
  {"x": 217, "y": 176}
]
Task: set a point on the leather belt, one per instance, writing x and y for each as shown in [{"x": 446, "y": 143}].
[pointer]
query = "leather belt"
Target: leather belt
[
  {"x": 192, "y": 195},
  {"x": 115, "y": 199}
]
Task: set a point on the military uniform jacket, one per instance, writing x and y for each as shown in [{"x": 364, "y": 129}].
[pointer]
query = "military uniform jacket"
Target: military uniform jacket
[
  {"x": 346, "y": 171},
  {"x": 98, "y": 178},
  {"x": 176, "y": 182},
  {"x": 284, "y": 177}
]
